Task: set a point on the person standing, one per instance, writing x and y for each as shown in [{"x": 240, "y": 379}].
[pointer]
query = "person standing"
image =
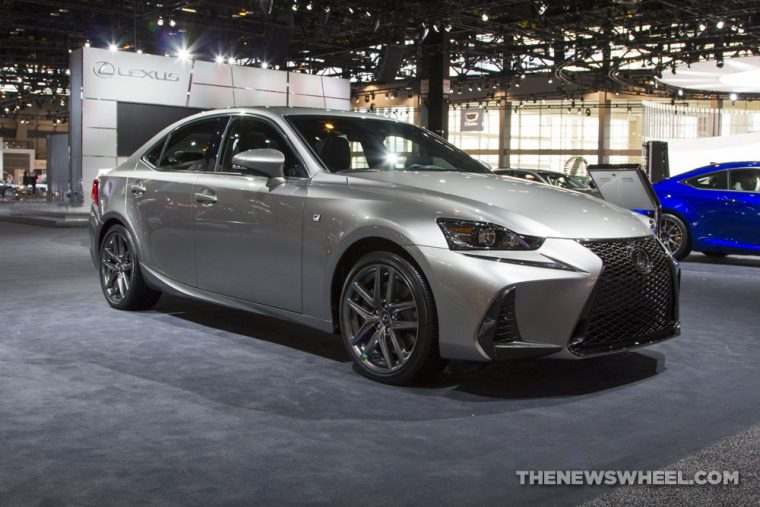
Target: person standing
[{"x": 33, "y": 180}]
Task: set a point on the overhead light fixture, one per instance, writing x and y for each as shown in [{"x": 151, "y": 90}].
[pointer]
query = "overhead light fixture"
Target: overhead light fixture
[
  {"x": 183, "y": 54},
  {"x": 113, "y": 47},
  {"x": 160, "y": 21},
  {"x": 172, "y": 22},
  {"x": 702, "y": 27},
  {"x": 188, "y": 9},
  {"x": 720, "y": 24},
  {"x": 219, "y": 59},
  {"x": 484, "y": 17},
  {"x": 264, "y": 65},
  {"x": 732, "y": 97}
]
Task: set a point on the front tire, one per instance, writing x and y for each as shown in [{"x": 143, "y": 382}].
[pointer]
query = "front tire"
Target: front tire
[
  {"x": 675, "y": 236},
  {"x": 388, "y": 320},
  {"x": 120, "y": 277}
]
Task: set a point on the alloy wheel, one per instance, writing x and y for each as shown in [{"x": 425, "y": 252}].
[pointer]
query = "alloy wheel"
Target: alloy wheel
[
  {"x": 116, "y": 267},
  {"x": 381, "y": 315},
  {"x": 671, "y": 234}
]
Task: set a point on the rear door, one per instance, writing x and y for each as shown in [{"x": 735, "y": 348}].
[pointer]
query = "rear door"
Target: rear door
[
  {"x": 160, "y": 196},
  {"x": 248, "y": 236}
]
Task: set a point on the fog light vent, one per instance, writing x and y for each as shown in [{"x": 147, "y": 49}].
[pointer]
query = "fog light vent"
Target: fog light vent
[
  {"x": 506, "y": 323},
  {"x": 499, "y": 327}
]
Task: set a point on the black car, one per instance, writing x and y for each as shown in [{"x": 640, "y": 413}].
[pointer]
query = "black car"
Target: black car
[{"x": 553, "y": 178}]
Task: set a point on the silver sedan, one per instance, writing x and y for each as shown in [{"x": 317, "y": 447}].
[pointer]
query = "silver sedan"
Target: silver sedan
[{"x": 380, "y": 231}]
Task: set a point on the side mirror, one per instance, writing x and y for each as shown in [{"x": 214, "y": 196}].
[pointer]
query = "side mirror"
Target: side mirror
[{"x": 266, "y": 161}]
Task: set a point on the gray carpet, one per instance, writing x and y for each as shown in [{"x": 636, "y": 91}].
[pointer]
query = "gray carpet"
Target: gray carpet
[{"x": 193, "y": 404}]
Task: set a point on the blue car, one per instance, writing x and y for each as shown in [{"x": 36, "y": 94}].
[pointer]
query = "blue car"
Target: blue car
[{"x": 714, "y": 210}]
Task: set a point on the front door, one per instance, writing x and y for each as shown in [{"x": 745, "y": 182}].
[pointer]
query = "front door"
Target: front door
[{"x": 248, "y": 236}]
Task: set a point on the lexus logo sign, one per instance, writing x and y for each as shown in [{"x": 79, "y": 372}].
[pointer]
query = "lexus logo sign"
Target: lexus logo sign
[
  {"x": 103, "y": 69},
  {"x": 640, "y": 259},
  {"x": 107, "y": 69}
]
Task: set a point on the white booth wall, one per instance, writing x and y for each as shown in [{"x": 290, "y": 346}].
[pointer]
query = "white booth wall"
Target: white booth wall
[{"x": 106, "y": 78}]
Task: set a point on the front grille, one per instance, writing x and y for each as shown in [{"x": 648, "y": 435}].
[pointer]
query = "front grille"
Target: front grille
[{"x": 630, "y": 305}]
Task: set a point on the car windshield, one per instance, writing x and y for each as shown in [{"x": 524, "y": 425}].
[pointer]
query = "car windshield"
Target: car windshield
[{"x": 344, "y": 144}]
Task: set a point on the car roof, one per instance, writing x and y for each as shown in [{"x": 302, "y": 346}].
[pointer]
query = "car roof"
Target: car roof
[
  {"x": 715, "y": 167},
  {"x": 280, "y": 111}
]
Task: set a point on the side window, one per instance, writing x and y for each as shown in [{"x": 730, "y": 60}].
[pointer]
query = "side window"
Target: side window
[
  {"x": 154, "y": 153},
  {"x": 745, "y": 180},
  {"x": 247, "y": 133},
  {"x": 194, "y": 146},
  {"x": 711, "y": 181}
]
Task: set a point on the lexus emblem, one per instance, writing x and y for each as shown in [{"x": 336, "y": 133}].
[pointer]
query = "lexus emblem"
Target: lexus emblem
[
  {"x": 640, "y": 259},
  {"x": 103, "y": 69}
]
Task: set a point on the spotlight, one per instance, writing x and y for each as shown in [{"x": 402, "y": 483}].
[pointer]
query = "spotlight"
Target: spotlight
[
  {"x": 172, "y": 22},
  {"x": 720, "y": 25},
  {"x": 183, "y": 54},
  {"x": 160, "y": 22},
  {"x": 484, "y": 17},
  {"x": 112, "y": 47},
  {"x": 680, "y": 93},
  {"x": 702, "y": 27},
  {"x": 588, "y": 112},
  {"x": 719, "y": 63},
  {"x": 733, "y": 97},
  {"x": 219, "y": 59},
  {"x": 309, "y": 6},
  {"x": 264, "y": 65}
]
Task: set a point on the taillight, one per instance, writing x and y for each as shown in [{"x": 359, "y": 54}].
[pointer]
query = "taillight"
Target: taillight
[{"x": 96, "y": 192}]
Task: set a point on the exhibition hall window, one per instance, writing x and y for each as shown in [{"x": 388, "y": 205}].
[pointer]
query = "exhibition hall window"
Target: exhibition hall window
[{"x": 482, "y": 145}]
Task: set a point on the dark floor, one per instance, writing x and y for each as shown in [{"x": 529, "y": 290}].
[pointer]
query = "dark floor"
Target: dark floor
[{"x": 193, "y": 404}]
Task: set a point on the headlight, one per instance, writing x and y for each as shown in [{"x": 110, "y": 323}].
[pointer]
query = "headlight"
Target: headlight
[{"x": 466, "y": 235}]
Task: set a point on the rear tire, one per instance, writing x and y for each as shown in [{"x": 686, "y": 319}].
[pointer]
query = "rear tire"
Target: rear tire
[
  {"x": 120, "y": 276},
  {"x": 388, "y": 320},
  {"x": 675, "y": 236}
]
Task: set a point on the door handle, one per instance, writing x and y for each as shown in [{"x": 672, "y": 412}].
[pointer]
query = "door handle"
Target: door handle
[
  {"x": 137, "y": 188},
  {"x": 205, "y": 198}
]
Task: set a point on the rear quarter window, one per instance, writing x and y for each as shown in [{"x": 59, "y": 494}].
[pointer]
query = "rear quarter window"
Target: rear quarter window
[{"x": 711, "y": 181}]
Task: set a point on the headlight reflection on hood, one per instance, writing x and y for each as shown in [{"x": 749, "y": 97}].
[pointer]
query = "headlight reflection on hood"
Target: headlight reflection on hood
[{"x": 469, "y": 235}]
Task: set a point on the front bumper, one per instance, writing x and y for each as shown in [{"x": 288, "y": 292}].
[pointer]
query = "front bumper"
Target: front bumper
[{"x": 550, "y": 306}]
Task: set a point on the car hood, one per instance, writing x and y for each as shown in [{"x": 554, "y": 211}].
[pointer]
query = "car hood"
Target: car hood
[{"x": 523, "y": 206}]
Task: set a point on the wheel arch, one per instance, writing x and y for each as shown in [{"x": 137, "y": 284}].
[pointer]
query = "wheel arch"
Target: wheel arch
[
  {"x": 683, "y": 218},
  {"x": 351, "y": 255}
]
